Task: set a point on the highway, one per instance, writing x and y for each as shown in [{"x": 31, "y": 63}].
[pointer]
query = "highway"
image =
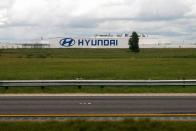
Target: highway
[{"x": 84, "y": 105}]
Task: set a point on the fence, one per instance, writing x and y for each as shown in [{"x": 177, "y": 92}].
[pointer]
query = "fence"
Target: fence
[{"x": 48, "y": 83}]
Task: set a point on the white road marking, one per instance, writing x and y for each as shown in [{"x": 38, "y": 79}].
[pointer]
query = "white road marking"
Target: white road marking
[{"x": 85, "y": 103}]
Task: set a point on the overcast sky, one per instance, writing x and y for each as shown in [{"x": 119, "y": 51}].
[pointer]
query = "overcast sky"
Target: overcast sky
[{"x": 31, "y": 19}]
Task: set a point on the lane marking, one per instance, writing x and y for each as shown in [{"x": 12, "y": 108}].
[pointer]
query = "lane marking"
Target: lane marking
[
  {"x": 85, "y": 103},
  {"x": 100, "y": 115}
]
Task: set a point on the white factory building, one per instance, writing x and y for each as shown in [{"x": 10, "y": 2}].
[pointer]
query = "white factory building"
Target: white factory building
[{"x": 98, "y": 41}]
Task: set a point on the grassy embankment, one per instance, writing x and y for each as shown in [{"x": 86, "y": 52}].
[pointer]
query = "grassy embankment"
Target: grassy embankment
[
  {"x": 127, "y": 125},
  {"x": 27, "y": 64}
]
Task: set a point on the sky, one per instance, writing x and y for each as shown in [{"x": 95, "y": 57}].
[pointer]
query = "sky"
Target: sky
[{"x": 33, "y": 19}]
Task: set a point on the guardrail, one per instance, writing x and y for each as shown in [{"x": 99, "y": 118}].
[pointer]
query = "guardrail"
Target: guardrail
[{"x": 47, "y": 83}]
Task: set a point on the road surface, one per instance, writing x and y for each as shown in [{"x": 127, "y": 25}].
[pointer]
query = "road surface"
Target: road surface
[{"x": 70, "y": 105}]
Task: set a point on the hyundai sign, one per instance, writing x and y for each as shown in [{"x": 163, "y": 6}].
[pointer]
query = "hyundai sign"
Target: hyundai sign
[
  {"x": 67, "y": 42},
  {"x": 91, "y": 42}
]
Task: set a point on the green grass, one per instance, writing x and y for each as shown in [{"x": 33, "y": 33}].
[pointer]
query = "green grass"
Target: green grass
[
  {"x": 127, "y": 125},
  {"x": 117, "y": 64},
  {"x": 129, "y": 68},
  {"x": 97, "y": 64},
  {"x": 97, "y": 53},
  {"x": 97, "y": 89}
]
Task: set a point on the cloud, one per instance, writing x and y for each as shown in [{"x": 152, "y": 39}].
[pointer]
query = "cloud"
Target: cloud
[
  {"x": 163, "y": 9},
  {"x": 59, "y": 17}
]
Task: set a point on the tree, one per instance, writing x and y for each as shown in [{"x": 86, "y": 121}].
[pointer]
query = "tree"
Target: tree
[{"x": 134, "y": 42}]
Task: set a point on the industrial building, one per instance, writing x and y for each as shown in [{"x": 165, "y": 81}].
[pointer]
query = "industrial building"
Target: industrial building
[{"x": 99, "y": 41}]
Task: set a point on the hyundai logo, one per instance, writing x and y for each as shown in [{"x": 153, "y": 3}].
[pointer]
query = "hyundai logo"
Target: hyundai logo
[{"x": 67, "y": 42}]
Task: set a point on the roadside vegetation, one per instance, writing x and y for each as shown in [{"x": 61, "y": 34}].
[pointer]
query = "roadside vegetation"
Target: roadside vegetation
[
  {"x": 127, "y": 125},
  {"x": 25, "y": 64},
  {"x": 98, "y": 89},
  {"x": 115, "y": 64}
]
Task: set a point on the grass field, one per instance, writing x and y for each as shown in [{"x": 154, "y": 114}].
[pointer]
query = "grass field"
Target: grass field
[
  {"x": 127, "y": 125},
  {"x": 97, "y": 64},
  {"x": 38, "y": 64},
  {"x": 97, "y": 89}
]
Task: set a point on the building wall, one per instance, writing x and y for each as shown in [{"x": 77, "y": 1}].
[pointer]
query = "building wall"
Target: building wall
[
  {"x": 99, "y": 42},
  {"x": 9, "y": 46},
  {"x": 122, "y": 42}
]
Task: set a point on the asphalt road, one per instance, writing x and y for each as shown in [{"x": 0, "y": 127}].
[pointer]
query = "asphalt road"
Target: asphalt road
[{"x": 47, "y": 105}]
